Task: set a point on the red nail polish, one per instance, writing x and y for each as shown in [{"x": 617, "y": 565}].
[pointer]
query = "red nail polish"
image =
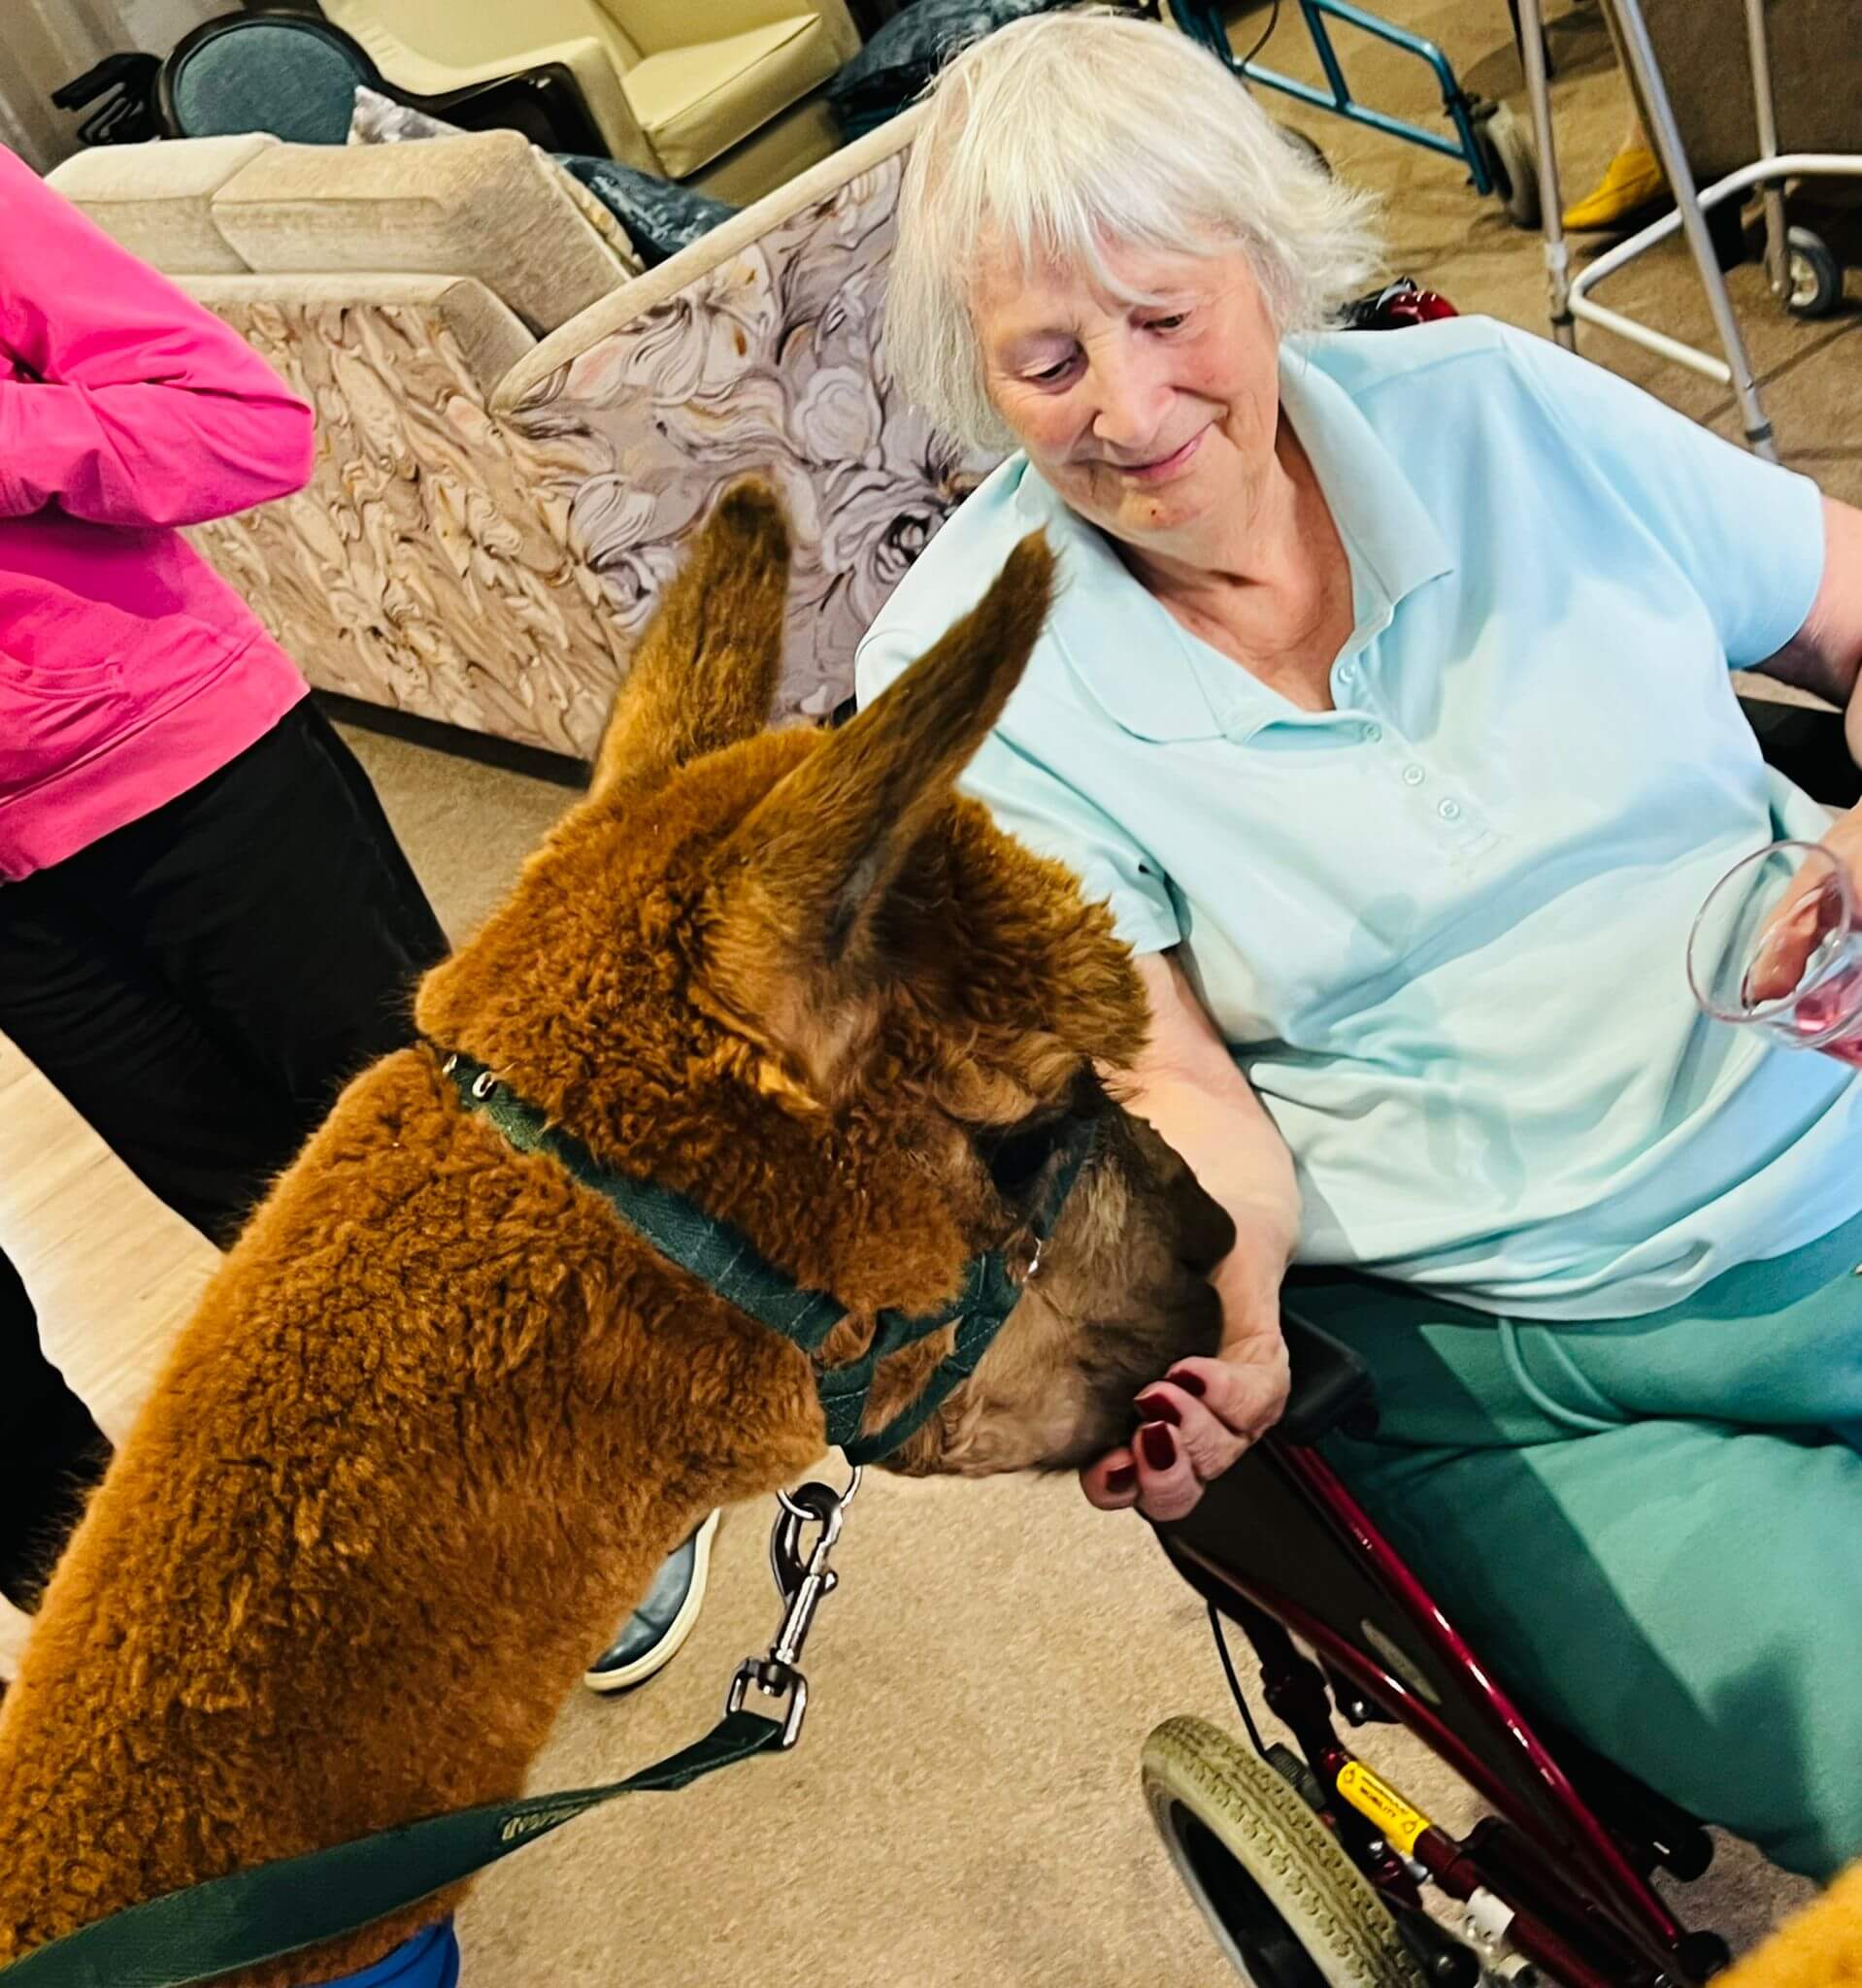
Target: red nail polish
[
  {"x": 1122, "y": 1478},
  {"x": 1191, "y": 1383},
  {"x": 1160, "y": 1446},
  {"x": 1159, "y": 1408}
]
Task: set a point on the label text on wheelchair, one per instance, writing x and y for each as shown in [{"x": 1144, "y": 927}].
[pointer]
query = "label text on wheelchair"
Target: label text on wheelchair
[{"x": 1373, "y": 1797}]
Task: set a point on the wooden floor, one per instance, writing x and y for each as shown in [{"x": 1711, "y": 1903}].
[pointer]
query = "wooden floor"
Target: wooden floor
[{"x": 112, "y": 1271}]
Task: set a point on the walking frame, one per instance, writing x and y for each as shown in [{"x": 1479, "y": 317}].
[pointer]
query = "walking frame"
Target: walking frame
[{"x": 1803, "y": 274}]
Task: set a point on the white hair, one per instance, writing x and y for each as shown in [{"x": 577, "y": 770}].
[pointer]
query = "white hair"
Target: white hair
[{"x": 1064, "y": 135}]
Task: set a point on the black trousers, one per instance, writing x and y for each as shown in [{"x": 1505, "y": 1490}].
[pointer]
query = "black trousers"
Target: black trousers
[{"x": 199, "y": 985}]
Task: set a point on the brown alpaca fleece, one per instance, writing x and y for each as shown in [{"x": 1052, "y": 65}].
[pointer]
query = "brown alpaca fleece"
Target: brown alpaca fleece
[
  {"x": 441, "y": 1413},
  {"x": 1817, "y": 1947},
  {"x": 383, "y": 1503}
]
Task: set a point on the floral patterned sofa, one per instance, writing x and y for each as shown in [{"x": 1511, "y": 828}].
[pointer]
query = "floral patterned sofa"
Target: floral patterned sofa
[{"x": 516, "y": 436}]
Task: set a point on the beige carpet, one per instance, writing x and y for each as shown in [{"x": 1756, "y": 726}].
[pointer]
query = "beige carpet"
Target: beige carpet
[{"x": 964, "y": 1809}]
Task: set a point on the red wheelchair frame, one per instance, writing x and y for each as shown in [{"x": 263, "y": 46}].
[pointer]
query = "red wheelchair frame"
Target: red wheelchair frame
[{"x": 1279, "y": 1547}]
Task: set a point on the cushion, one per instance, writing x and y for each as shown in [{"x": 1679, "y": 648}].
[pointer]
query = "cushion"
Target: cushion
[
  {"x": 156, "y": 199},
  {"x": 660, "y": 216},
  {"x": 367, "y": 313},
  {"x": 910, "y": 50},
  {"x": 696, "y": 102},
  {"x": 481, "y": 205},
  {"x": 378, "y": 120},
  {"x": 270, "y": 73}
]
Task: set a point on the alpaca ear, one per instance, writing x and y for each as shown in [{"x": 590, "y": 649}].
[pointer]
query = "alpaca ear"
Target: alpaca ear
[
  {"x": 706, "y": 671},
  {"x": 792, "y": 922}
]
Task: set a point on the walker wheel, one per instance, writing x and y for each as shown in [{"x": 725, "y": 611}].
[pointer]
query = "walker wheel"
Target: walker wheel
[
  {"x": 1285, "y": 1903},
  {"x": 1816, "y": 276},
  {"x": 1506, "y": 151}
]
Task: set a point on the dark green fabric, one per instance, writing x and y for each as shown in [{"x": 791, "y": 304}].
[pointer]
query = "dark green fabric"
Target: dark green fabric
[
  {"x": 277, "y": 1908},
  {"x": 902, "y": 56},
  {"x": 1646, "y": 1527},
  {"x": 661, "y": 216},
  {"x": 268, "y": 75}
]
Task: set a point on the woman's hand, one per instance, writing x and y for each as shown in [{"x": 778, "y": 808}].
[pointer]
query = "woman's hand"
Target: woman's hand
[{"x": 1205, "y": 1413}]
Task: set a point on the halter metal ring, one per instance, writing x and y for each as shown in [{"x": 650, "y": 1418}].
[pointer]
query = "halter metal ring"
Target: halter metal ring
[
  {"x": 1021, "y": 1257},
  {"x": 845, "y": 1498}
]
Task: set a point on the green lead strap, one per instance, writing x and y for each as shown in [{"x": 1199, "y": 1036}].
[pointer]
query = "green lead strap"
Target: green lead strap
[{"x": 257, "y": 1915}]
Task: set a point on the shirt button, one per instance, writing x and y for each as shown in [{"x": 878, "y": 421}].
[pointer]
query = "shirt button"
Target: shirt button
[
  {"x": 1412, "y": 776},
  {"x": 1372, "y": 733},
  {"x": 1450, "y": 811}
]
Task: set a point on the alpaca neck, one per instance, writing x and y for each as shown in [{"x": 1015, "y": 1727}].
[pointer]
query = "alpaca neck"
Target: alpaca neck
[{"x": 390, "y": 1496}]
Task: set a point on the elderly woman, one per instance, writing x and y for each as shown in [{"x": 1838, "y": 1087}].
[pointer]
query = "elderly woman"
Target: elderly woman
[{"x": 1386, "y": 702}]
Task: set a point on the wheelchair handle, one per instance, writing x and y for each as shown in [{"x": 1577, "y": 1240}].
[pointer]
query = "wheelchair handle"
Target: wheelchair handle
[{"x": 1332, "y": 1387}]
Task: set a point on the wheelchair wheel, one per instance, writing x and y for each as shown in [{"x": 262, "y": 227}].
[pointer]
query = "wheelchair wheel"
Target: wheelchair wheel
[{"x": 1286, "y": 1905}]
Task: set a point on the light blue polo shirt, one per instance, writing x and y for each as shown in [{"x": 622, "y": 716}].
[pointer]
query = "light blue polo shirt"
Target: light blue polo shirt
[{"x": 1444, "y": 925}]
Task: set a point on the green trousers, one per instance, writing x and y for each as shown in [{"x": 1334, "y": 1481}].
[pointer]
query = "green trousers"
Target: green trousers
[{"x": 1650, "y": 1528}]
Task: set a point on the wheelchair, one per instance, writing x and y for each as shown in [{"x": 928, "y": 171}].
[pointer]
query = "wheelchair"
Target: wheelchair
[{"x": 1309, "y": 1868}]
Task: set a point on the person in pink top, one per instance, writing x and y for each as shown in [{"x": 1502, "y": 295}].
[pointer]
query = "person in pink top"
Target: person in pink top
[{"x": 205, "y": 924}]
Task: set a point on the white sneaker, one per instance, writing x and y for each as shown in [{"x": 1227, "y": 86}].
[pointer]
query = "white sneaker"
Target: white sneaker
[{"x": 654, "y": 1634}]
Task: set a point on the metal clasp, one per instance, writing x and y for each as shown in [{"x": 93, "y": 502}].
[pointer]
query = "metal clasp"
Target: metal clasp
[
  {"x": 1022, "y": 1256},
  {"x": 801, "y": 1582}
]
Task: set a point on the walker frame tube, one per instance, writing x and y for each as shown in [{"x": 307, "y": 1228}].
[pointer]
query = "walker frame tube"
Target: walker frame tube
[
  {"x": 1202, "y": 20},
  {"x": 1570, "y": 298}
]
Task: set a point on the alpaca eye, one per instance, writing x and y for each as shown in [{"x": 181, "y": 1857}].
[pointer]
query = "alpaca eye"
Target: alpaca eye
[{"x": 1017, "y": 1154}]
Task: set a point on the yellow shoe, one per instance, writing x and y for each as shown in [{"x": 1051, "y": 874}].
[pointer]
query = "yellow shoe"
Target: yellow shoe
[{"x": 1634, "y": 179}]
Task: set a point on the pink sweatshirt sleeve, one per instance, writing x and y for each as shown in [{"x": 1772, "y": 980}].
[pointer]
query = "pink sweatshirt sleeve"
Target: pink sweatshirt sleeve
[{"x": 139, "y": 408}]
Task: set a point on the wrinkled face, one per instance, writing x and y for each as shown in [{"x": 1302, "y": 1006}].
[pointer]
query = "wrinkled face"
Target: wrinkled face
[{"x": 1143, "y": 417}]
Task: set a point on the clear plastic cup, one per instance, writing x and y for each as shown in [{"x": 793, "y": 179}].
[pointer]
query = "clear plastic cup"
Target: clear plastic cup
[{"x": 1776, "y": 948}]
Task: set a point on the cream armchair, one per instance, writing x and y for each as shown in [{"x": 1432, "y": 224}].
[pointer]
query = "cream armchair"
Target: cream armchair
[
  {"x": 723, "y": 96},
  {"x": 427, "y": 48},
  {"x": 426, "y": 566}
]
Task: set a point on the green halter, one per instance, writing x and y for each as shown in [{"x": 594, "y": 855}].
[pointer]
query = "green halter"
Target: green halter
[{"x": 725, "y": 1262}]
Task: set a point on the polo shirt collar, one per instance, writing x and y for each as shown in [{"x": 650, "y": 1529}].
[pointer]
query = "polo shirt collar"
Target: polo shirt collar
[
  {"x": 1393, "y": 542},
  {"x": 1149, "y": 672}
]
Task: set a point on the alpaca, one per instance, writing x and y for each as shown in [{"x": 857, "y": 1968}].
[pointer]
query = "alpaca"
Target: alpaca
[{"x": 441, "y": 1413}]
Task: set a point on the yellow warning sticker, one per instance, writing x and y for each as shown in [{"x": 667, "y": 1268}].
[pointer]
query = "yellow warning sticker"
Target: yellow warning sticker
[{"x": 1372, "y": 1796}]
